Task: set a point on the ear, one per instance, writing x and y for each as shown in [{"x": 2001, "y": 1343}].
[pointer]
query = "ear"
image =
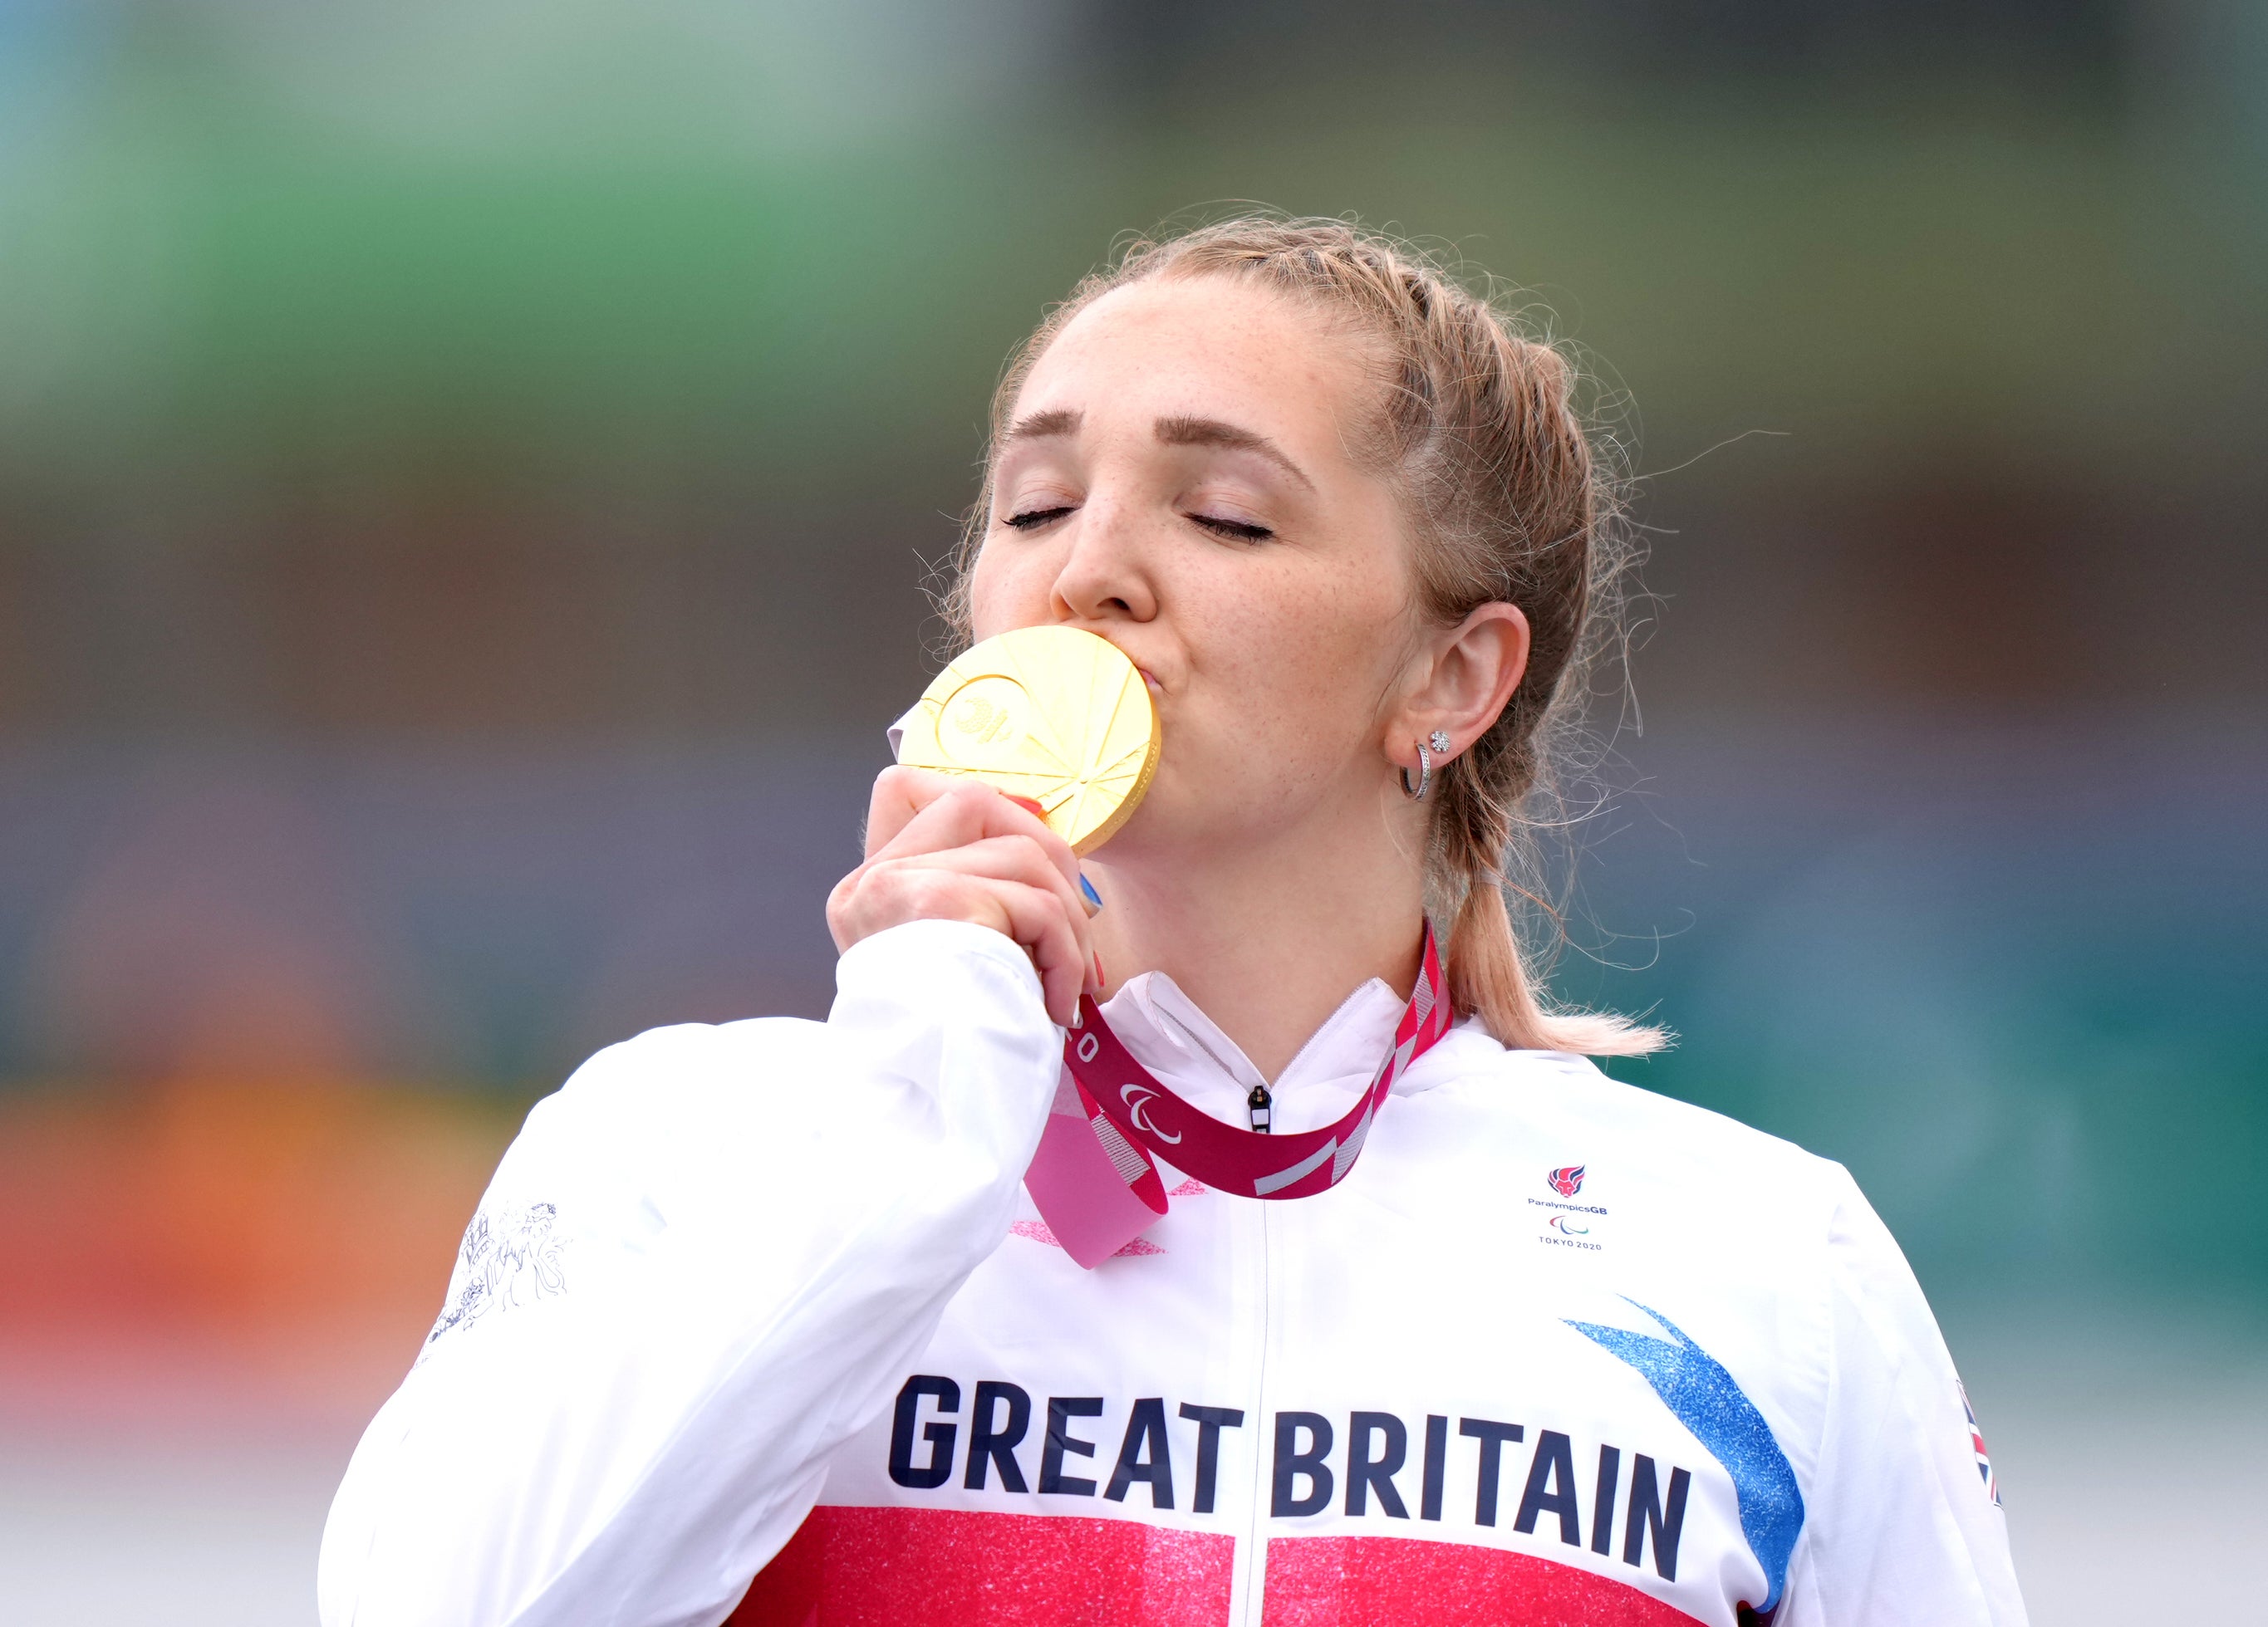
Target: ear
[{"x": 1461, "y": 680}]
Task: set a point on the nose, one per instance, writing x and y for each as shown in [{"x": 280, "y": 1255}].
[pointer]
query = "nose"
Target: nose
[{"x": 1103, "y": 576}]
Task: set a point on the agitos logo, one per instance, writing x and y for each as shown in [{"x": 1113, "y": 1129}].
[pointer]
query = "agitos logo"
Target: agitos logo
[{"x": 1567, "y": 1181}]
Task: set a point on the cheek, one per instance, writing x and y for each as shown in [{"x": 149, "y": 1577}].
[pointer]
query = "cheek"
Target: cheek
[
  {"x": 1311, "y": 667},
  {"x": 1004, "y": 592}
]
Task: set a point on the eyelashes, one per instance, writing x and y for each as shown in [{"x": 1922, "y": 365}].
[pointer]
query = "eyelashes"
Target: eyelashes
[
  {"x": 1236, "y": 530},
  {"x": 1241, "y": 531}
]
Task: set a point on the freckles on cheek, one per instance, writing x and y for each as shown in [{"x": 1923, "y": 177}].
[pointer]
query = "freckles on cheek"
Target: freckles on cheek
[
  {"x": 997, "y": 595},
  {"x": 1302, "y": 669}
]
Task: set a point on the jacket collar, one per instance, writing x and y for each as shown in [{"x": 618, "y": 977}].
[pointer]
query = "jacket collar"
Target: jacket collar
[{"x": 1187, "y": 1051}]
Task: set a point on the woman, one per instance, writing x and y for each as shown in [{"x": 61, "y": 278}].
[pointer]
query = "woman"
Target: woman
[{"x": 771, "y": 1298}]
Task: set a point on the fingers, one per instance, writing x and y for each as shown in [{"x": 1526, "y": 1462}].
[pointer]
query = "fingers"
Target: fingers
[
  {"x": 899, "y": 794},
  {"x": 919, "y": 811},
  {"x": 1057, "y": 942},
  {"x": 943, "y": 847},
  {"x": 953, "y": 887},
  {"x": 1007, "y": 858},
  {"x": 1015, "y": 862}
]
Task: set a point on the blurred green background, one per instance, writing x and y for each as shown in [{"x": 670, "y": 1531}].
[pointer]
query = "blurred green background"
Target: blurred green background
[{"x": 469, "y": 476}]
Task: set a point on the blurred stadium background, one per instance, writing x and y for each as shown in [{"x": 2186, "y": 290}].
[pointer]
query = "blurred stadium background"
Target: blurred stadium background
[{"x": 466, "y": 474}]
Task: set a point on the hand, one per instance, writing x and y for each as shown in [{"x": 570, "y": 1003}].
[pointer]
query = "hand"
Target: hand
[{"x": 941, "y": 848}]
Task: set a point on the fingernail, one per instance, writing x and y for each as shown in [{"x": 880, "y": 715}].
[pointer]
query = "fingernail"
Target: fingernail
[
  {"x": 1027, "y": 805},
  {"x": 1099, "y": 980},
  {"x": 1094, "y": 898}
]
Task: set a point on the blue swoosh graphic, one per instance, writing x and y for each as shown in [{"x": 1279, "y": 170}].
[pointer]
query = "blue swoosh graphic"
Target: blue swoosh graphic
[{"x": 1696, "y": 1387}]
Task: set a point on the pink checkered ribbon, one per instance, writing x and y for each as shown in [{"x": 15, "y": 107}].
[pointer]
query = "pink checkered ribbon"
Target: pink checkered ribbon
[{"x": 1094, "y": 1179}]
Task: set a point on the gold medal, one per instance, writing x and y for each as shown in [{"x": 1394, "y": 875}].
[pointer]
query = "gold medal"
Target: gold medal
[{"x": 1051, "y": 713}]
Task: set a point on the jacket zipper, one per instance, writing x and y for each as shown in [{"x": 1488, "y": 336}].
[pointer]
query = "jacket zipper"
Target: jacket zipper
[
  {"x": 1255, "y": 1528},
  {"x": 1261, "y": 1106}
]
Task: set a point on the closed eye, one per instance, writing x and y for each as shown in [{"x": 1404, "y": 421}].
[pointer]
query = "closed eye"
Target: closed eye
[
  {"x": 1241, "y": 530},
  {"x": 1032, "y": 519}
]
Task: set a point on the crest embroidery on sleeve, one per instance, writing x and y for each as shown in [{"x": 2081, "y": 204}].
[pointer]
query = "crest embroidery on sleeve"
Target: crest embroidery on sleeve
[{"x": 504, "y": 1261}]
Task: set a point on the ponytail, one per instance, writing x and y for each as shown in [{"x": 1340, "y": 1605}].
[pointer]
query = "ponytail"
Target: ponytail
[
  {"x": 1489, "y": 979},
  {"x": 1488, "y": 970}
]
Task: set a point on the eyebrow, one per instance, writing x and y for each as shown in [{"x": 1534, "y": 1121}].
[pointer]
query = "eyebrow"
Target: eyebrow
[
  {"x": 1175, "y": 431},
  {"x": 1040, "y": 425},
  {"x": 1213, "y": 432}
]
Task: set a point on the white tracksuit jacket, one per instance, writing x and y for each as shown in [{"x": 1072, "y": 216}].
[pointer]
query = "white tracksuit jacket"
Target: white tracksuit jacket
[{"x": 1557, "y": 1352}]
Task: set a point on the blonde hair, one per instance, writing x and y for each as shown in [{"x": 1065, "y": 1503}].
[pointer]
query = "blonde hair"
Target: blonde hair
[{"x": 1507, "y": 499}]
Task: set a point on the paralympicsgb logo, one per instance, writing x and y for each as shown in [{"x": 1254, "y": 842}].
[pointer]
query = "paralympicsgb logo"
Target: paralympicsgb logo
[{"x": 1567, "y": 1181}]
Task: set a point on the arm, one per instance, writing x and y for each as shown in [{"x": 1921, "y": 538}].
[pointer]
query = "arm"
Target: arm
[
  {"x": 753, "y": 1231},
  {"x": 1904, "y": 1532}
]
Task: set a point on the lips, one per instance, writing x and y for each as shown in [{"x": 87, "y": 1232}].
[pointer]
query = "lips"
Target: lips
[{"x": 1149, "y": 678}]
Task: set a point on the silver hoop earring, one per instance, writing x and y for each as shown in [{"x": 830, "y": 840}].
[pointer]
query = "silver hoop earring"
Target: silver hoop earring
[{"x": 1424, "y": 774}]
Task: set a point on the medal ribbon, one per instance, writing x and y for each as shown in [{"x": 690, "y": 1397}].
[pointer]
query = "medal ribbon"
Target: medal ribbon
[{"x": 1094, "y": 1180}]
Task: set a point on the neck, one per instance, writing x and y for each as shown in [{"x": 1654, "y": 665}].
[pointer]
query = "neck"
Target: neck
[{"x": 1268, "y": 943}]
